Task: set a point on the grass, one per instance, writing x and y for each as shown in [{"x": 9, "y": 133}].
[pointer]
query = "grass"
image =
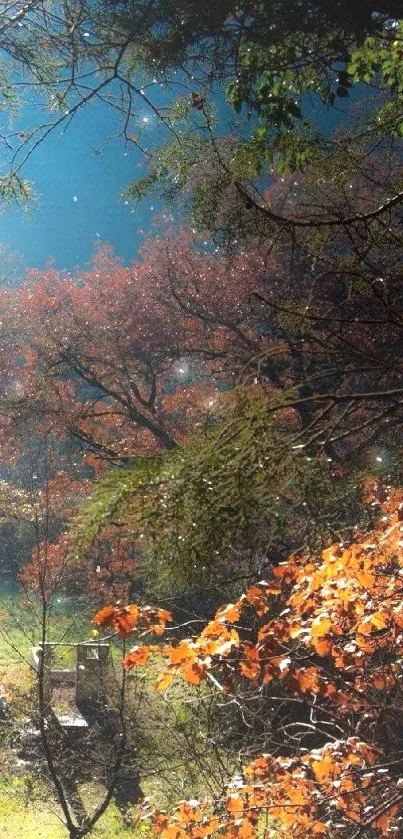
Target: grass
[
  {"x": 173, "y": 759},
  {"x": 21, "y": 814},
  {"x": 20, "y": 632},
  {"x": 27, "y": 807}
]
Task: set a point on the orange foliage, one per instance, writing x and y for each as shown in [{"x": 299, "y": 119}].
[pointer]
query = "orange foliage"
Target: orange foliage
[
  {"x": 336, "y": 645},
  {"x": 123, "y": 619}
]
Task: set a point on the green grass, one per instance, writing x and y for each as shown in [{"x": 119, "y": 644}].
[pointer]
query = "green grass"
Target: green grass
[
  {"x": 20, "y": 631},
  {"x": 173, "y": 760},
  {"x": 26, "y": 810}
]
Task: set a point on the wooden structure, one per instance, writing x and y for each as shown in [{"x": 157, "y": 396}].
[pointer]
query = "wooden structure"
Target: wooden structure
[{"x": 68, "y": 690}]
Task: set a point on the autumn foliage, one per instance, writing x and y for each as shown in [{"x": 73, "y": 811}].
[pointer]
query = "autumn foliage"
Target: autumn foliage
[
  {"x": 124, "y": 360},
  {"x": 124, "y": 619},
  {"x": 131, "y": 360},
  {"x": 324, "y": 633}
]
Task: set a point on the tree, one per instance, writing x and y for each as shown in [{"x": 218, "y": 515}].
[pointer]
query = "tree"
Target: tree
[
  {"x": 282, "y": 84},
  {"x": 129, "y": 361},
  {"x": 320, "y": 397},
  {"x": 115, "y": 51},
  {"x": 124, "y": 359},
  {"x": 59, "y": 761},
  {"x": 125, "y": 722},
  {"x": 216, "y": 513},
  {"x": 92, "y": 696},
  {"x": 332, "y": 655}
]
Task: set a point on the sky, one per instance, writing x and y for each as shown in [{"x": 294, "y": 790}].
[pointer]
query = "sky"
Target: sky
[{"x": 78, "y": 176}]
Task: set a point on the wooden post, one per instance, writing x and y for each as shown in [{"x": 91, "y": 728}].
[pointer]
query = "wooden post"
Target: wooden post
[{"x": 91, "y": 672}]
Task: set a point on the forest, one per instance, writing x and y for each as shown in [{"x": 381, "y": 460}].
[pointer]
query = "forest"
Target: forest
[{"x": 201, "y": 450}]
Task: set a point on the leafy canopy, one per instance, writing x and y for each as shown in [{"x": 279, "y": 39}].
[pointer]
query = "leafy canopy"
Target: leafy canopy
[{"x": 272, "y": 76}]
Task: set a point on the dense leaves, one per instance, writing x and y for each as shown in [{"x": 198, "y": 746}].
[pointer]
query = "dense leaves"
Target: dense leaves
[
  {"x": 229, "y": 503},
  {"x": 126, "y": 618},
  {"x": 335, "y": 648},
  {"x": 124, "y": 359},
  {"x": 256, "y": 488}
]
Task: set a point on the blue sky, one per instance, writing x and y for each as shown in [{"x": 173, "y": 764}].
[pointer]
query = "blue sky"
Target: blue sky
[{"x": 78, "y": 176}]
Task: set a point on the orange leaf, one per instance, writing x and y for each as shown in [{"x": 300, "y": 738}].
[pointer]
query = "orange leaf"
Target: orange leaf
[
  {"x": 353, "y": 815},
  {"x": 164, "y": 616},
  {"x": 235, "y": 804},
  {"x": 378, "y": 620},
  {"x": 126, "y": 619},
  {"x": 194, "y": 672},
  {"x": 365, "y": 627},
  {"x": 173, "y": 831},
  {"x": 347, "y": 785},
  {"x": 319, "y": 827},
  {"x": 260, "y": 767},
  {"x": 229, "y": 613},
  {"x": 246, "y": 830},
  {"x": 159, "y": 821},
  {"x": 163, "y": 681},
  {"x": 105, "y": 616},
  {"x": 257, "y": 597},
  {"x": 286, "y": 571},
  {"x": 122, "y": 618},
  {"x": 308, "y": 680},
  {"x": 385, "y": 822},
  {"x": 320, "y": 626},
  {"x": 137, "y": 656},
  {"x": 324, "y": 769},
  {"x": 323, "y": 646},
  {"x": 177, "y": 655},
  {"x": 250, "y": 664},
  {"x": 211, "y": 825},
  {"x": 365, "y": 579}
]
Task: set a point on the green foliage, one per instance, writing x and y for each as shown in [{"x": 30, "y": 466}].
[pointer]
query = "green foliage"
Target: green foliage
[
  {"x": 110, "y": 499},
  {"x": 230, "y": 496},
  {"x": 271, "y": 74},
  {"x": 196, "y": 174},
  {"x": 379, "y": 58},
  {"x": 170, "y": 168},
  {"x": 13, "y": 188},
  {"x": 274, "y": 80}
]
